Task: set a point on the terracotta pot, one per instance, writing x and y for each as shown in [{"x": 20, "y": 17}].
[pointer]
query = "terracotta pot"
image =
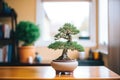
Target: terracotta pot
[
  {"x": 64, "y": 66},
  {"x": 26, "y": 52}
]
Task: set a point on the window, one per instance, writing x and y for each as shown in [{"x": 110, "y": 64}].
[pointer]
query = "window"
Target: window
[
  {"x": 58, "y": 13},
  {"x": 55, "y": 13},
  {"x": 103, "y": 26}
]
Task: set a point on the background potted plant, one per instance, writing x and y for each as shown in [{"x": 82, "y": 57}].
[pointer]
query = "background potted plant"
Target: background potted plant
[
  {"x": 64, "y": 63},
  {"x": 27, "y": 33}
]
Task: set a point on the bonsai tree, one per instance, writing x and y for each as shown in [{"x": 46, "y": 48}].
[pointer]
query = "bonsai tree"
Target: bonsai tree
[
  {"x": 27, "y": 32},
  {"x": 66, "y": 33}
]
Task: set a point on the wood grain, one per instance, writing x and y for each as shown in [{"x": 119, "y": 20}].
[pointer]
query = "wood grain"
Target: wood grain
[{"x": 47, "y": 72}]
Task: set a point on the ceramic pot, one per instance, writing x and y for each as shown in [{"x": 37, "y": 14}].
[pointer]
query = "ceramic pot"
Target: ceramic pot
[
  {"x": 82, "y": 55},
  {"x": 64, "y": 66},
  {"x": 26, "y": 52}
]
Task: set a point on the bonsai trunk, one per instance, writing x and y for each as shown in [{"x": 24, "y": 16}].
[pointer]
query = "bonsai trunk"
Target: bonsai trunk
[
  {"x": 69, "y": 37},
  {"x": 64, "y": 55}
]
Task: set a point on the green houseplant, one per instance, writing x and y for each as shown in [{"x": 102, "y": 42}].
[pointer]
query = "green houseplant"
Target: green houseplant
[
  {"x": 27, "y": 33},
  {"x": 66, "y": 33}
]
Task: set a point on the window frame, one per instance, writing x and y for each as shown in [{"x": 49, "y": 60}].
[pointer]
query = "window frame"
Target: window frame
[
  {"x": 93, "y": 20},
  {"x": 103, "y": 44}
]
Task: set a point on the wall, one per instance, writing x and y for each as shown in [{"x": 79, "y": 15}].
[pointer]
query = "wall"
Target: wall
[
  {"x": 49, "y": 54},
  {"x": 103, "y": 29},
  {"x": 26, "y": 9},
  {"x": 114, "y": 35},
  {"x": 105, "y": 59}
]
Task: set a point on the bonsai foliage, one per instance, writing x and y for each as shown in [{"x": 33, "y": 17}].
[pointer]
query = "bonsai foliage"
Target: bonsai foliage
[
  {"x": 27, "y": 32},
  {"x": 66, "y": 33}
]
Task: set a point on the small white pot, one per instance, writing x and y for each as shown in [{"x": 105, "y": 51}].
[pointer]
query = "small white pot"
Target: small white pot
[
  {"x": 82, "y": 55},
  {"x": 64, "y": 66}
]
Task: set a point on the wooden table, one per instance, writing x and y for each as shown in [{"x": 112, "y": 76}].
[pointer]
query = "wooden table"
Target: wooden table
[{"x": 47, "y": 72}]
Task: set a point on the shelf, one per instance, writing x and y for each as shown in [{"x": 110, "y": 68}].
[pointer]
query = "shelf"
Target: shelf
[
  {"x": 80, "y": 63},
  {"x": 24, "y": 64},
  {"x": 11, "y": 49},
  {"x": 90, "y": 62},
  {"x": 5, "y": 41},
  {"x": 12, "y": 14},
  {"x": 5, "y": 15}
]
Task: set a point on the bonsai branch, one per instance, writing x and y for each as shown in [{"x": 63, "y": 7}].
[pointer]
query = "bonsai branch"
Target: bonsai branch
[
  {"x": 66, "y": 33},
  {"x": 64, "y": 55}
]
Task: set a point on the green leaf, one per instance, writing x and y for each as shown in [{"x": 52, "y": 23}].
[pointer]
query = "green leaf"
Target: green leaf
[
  {"x": 27, "y": 32},
  {"x": 66, "y": 32}
]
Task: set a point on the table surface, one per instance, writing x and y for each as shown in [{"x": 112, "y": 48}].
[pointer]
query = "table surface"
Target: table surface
[{"x": 47, "y": 72}]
